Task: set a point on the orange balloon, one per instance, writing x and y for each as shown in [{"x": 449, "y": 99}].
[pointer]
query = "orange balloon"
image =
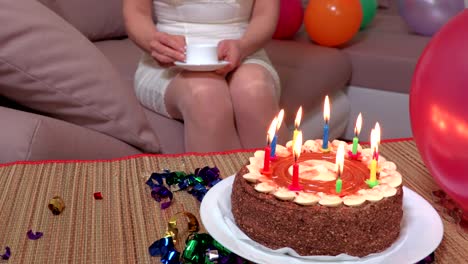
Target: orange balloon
[{"x": 332, "y": 22}]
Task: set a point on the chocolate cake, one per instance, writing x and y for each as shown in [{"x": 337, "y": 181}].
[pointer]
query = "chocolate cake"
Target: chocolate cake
[{"x": 358, "y": 221}]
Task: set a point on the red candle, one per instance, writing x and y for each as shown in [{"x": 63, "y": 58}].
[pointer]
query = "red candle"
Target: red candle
[
  {"x": 295, "y": 177},
  {"x": 297, "y": 152},
  {"x": 266, "y": 160}
]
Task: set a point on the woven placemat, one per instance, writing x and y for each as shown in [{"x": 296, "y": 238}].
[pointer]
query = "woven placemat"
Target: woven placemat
[{"x": 119, "y": 228}]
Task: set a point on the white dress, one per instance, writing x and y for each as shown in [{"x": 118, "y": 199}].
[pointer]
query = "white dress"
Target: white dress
[{"x": 201, "y": 21}]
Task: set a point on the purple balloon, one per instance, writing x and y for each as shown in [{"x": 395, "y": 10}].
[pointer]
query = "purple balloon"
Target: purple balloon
[{"x": 426, "y": 17}]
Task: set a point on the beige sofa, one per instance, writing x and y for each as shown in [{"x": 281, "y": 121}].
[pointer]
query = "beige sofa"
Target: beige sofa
[
  {"x": 383, "y": 59},
  {"x": 66, "y": 85}
]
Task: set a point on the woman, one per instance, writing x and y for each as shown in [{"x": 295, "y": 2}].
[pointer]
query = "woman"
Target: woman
[{"x": 229, "y": 108}]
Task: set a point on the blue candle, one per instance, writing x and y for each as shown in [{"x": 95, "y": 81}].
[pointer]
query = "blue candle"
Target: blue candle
[
  {"x": 326, "y": 117},
  {"x": 325, "y": 136},
  {"x": 273, "y": 146}
]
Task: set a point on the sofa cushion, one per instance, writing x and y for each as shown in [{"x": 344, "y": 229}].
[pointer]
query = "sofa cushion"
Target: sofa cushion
[
  {"x": 123, "y": 54},
  {"x": 48, "y": 66},
  {"x": 26, "y": 136},
  {"x": 95, "y": 19}
]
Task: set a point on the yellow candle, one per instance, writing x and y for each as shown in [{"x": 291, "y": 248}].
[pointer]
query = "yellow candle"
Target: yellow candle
[
  {"x": 375, "y": 135},
  {"x": 373, "y": 171}
]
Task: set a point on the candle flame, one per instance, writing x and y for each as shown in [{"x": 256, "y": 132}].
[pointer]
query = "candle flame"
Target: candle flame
[
  {"x": 377, "y": 137},
  {"x": 297, "y": 148},
  {"x": 280, "y": 119},
  {"x": 271, "y": 130},
  {"x": 339, "y": 164},
  {"x": 357, "y": 128},
  {"x": 326, "y": 109},
  {"x": 297, "y": 121}
]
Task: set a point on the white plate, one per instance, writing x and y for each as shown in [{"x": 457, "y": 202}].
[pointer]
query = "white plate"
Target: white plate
[
  {"x": 201, "y": 67},
  {"x": 422, "y": 231}
]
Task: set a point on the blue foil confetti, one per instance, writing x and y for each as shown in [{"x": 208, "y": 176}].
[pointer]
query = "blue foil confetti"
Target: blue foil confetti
[
  {"x": 161, "y": 247},
  {"x": 171, "y": 257},
  {"x": 7, "y": 254},
  {"x": 34, "y": 236}
]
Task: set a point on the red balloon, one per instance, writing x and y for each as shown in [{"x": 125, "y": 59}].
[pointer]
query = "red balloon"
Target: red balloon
[
  {"x": 439, "y": 108},
  {"x": 290, "y": 19}
]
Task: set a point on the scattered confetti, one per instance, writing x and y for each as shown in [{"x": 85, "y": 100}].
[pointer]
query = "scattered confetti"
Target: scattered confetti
[
  {"x": 56, "y": 205},
  {"x": 98, "y": 195},
  {"x": 196, "y": 184},
  {"x": 34, "y": 236},
  {"x": 7, "y": 254}
]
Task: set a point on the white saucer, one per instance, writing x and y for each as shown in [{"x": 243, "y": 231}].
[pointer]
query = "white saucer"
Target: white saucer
[
  {"x": 201, "y": 67},
  {"x": 421, "y": 233}
]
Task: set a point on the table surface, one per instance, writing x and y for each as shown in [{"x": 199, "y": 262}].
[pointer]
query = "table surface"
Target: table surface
[{"x": 120, "y": 227}]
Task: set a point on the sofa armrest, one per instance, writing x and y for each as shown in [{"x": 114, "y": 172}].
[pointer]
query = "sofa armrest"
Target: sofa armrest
[{"x": 27, "y": 137}]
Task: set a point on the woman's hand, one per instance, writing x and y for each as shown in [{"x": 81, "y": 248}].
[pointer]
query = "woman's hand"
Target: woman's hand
[
  {"x": 167, "y": 48},
  {"x": 229, "y": 50}
]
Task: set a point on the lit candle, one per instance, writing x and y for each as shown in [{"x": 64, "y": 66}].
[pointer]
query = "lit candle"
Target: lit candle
[
  {"x": 266, "y": 160},
  {"x": 275, "y": 138},
  {"x": 377, "y": 141},
  {"x": 297, "y": 122},
  {"x": 326, "y": 117},
  {"x": 297, "y": 148},
  {"x": 357, "y": 130},
  {"x": 372, "y": 181},
  {"x": 339, "y": 166}
]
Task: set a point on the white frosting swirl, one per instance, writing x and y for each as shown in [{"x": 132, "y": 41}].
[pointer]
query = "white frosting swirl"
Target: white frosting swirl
[
  {"x": 266, "y": 187},
  {"x": 330, "y": 200},
  {"x": 284, "y": 194},
  {"x": 353, "y": 200},
  {"x": 306, "y": 198}
]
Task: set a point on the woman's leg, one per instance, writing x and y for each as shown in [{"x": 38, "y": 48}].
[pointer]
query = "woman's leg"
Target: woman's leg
[
  {"x": 203, "y": 102},
  {"x": 255, "y": 104}
]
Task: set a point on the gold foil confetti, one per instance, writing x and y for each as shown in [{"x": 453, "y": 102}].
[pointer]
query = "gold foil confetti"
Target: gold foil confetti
[{"x": 56, "y": 205}]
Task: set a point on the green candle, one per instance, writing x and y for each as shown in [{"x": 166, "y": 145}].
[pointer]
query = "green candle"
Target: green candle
[
  {"x": 355, "y": 145},
  {"x": 339, "y": 185},
  {"x": 339, "y": 167},
  {"x": 357, "y": 130}
]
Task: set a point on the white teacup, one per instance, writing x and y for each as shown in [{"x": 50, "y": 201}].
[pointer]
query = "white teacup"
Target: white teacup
[{"x": 202, "y": 54}]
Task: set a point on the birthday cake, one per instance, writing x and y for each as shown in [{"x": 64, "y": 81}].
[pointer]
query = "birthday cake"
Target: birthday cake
[{"x": 318, "y": 218}]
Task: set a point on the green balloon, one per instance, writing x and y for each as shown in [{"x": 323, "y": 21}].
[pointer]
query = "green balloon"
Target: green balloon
[{"x": 369, "y": 8}]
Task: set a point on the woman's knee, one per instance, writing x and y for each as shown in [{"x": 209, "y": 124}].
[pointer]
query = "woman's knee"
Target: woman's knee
[
  {"x": 252, "y": 81},
  {"x": 206, "y": 99}
]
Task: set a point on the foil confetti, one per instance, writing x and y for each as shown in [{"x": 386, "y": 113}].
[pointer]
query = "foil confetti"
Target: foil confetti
[
  {"x": 196, "y": 184},
  {"x": 56, "y": 205},
  {"x": 161, "y": 194},
  {"x": 34, "y": 236},
  {"x": 7, "y": 254},
  {"x": 199, "y": 247},
  {"x": 97, "y": 196}
]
